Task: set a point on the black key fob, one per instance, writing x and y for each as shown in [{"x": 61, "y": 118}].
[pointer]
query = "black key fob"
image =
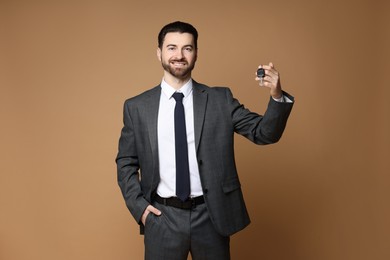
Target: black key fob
[{"x": 260, "y": 73}]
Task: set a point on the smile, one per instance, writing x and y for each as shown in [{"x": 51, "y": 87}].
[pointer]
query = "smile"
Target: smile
[{"x": 178, "y": 64}]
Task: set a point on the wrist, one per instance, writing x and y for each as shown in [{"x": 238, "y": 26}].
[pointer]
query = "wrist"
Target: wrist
[
  {"x": 277, "y": 93},
  {"x": 277, "y": 96}
]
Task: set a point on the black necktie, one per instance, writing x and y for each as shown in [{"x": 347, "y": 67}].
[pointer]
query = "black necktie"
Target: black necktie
[{"x": 181, "y": 150}]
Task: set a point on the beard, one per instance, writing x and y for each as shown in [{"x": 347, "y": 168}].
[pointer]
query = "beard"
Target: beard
[{"x": 180, "y": 73}]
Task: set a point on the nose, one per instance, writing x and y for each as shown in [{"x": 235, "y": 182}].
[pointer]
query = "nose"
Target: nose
[{"x": 179, "y": 54}]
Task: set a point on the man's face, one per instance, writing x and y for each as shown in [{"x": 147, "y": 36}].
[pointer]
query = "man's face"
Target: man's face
[{"x": 178, "y": 54}]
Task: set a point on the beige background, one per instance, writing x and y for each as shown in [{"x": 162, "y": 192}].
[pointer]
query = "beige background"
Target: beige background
[{"x": 66, "y": 67}]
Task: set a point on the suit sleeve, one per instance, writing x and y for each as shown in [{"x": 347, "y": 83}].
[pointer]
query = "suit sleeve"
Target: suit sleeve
[
  {"x": 128, "y": 168},
  {"x": 260, "y": 129}
]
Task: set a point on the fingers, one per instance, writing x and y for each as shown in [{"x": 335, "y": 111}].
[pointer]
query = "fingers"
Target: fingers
[
  {"x": 271, "y": 77},
  {"x": 269, "y": 70},
  {"x": 149, "y": 209},
  {"x": 154, "y": 210},
  {"x": 270, "y": 65},
  {"x": 266, "y": 82},
  {"x": 271, "y": 80}
]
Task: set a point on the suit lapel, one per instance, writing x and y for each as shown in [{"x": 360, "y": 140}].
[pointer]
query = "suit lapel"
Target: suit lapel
[
  {"x": 200, "y": 102},
  {"x": 151, "y": 106}
]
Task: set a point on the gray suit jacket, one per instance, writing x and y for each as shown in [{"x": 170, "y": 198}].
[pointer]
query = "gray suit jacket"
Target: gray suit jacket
[{"x": 217, "y": 115}]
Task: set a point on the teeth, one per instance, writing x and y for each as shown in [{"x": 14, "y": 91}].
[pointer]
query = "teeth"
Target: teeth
[{"x": 178, "y": 64}]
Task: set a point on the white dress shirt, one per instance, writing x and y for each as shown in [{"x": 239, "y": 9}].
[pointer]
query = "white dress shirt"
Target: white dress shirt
[{"x": 166, "y": 141}]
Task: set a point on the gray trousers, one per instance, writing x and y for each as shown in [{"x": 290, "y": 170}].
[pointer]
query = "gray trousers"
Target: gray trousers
[{"x": 178, "y": 232}]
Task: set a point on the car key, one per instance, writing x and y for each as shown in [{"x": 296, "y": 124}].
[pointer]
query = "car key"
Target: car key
[{"x": 261, "y": 75}]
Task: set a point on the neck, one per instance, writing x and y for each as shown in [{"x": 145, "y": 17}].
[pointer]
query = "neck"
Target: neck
[{"x": 175, "y": 82}]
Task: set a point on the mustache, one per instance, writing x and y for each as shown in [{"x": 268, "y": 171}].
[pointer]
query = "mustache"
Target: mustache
[{"x": 179, "y": 60}]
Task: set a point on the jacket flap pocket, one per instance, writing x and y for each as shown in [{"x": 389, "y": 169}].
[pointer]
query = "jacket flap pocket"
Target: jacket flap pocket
[{"x": 231, "y": 184}]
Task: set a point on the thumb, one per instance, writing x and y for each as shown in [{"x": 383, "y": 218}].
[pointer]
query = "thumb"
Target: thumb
[{"x": 154, "y": 210}]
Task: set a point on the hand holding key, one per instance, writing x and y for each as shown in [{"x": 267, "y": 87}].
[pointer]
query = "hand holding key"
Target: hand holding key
[{"x": 269, "y": 77}]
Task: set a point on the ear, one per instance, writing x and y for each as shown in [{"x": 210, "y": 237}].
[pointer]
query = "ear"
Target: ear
[
  {"x": 159, "y": 54},
  {"x": 196, "y": 54}
]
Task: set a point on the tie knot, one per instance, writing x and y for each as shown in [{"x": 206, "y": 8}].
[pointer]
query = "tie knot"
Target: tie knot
[{"x": 178, "y": 96}]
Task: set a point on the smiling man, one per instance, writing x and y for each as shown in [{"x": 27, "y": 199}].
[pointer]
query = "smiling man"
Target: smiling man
[{"x": 176, "y": 166}]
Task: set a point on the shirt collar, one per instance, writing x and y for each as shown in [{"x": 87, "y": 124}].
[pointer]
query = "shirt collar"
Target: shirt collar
[{"x": 168, "y": 90}]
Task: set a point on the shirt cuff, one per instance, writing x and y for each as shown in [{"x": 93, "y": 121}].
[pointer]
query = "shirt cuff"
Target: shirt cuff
[{"x": 283, "y": 99}]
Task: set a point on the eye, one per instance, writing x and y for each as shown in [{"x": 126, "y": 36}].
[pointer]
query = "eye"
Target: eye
[{"x": 189, "y": 49}]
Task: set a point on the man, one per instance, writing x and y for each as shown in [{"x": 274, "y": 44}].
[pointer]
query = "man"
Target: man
[{"x": 186, "y": 195}]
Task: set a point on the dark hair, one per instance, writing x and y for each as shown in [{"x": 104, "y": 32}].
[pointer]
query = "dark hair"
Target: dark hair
[{"x": 180, "y": 27}]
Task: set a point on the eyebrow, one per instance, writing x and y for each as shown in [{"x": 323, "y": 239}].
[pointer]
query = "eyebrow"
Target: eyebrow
[{"x": 174, "y": 45}]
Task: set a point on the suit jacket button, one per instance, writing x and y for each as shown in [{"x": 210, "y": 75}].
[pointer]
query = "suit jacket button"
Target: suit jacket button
[
  {"x": 205, "y": 191},
  {"x": 200, "y": 162}
]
